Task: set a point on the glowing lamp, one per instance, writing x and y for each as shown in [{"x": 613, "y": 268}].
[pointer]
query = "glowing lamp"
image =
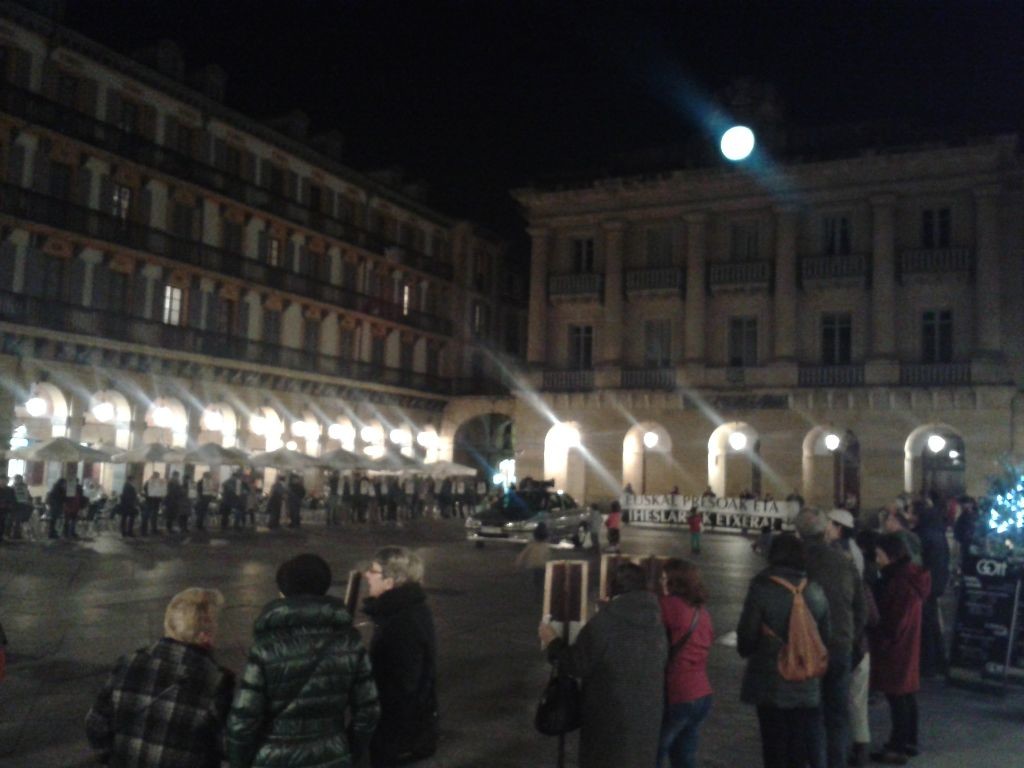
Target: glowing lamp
[
  {"x": 737, "y": 143},
  {"x": 213, "y": 420},
  {"x": 36, "y": 406},
  {"x": 936, "y": 443},
  {"x": 832, "y": 441},
  {"x": 291, "y": 445},
  {"x": 737, "y": 441},
  {"x": 257, "y": 424},
  {"x": 400, "y": 437},
  {"x": 162, "y": 416},
  {"x": 103, "y": 412},
  {"x": 650, "y": 439},
  {"x": 954, "y": 454},
  {"x": 299, "y": 429},
  {"x": 371, "y": 435},
  {"x": 566, "y": 436},
  {"x": 427, "y": 439}
]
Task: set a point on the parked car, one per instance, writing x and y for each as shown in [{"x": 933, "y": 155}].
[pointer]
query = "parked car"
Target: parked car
[{"x": 514, "y": 516}]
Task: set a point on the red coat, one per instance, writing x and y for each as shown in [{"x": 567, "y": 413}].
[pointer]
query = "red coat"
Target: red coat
[{"x": 896, "y": 640}]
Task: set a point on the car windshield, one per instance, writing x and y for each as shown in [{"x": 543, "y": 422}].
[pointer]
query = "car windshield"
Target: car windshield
[{"x": 523, "y": 506}]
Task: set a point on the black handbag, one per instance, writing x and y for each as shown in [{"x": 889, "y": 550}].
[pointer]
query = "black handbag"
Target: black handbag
[{"x": 560, "y": 708}]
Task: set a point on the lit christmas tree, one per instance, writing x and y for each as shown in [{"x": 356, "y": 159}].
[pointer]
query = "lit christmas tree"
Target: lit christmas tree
[{"x": 1004, "y": 515}]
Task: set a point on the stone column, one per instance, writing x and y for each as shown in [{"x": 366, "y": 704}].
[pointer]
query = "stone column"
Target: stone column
[
  {"x": 536, "y": 351},
  {"x": 612, "y": 330},
  {"x": 91, "y": 257},
  {"x": 696, "y": 288},
  {"x": 785, "y": 299},
  {"x": 883, "y": 277},
  {"x": 988, "y": 288}
]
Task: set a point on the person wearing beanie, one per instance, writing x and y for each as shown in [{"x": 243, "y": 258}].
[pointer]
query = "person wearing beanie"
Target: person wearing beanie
[
  {"x": 404, "y": 655},
  {"x": 307, "y": 674}
]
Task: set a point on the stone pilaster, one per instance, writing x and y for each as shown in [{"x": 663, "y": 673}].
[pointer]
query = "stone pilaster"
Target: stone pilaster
[
  {"x": 536, "y": 351},
  {"x": 883, "y": 277},
  {"x": 988, "y": 287},
  {"x": 696, "y": 289},
  {"x": 611, "y": 333},
  {"x": 785, "y": 298}
]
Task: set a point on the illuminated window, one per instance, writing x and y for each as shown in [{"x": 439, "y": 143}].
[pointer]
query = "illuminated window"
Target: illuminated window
[
  {"x": 273, "y": 252},
  {"x": 121, "y": 201},
  {"x": 172, "y": 305},
  {"x": 406, "y": 296}
]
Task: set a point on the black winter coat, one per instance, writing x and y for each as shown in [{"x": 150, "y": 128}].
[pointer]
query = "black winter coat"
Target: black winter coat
[
  {"x": 404, "y": 655},
  {"x": 307, "y": 670},
  {"x": 935, "y": 554}
]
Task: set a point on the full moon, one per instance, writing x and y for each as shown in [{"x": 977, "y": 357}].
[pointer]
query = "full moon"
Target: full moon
[{"x": 737, "y": 143}]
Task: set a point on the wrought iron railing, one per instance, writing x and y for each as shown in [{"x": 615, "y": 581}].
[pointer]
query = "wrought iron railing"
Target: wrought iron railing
[
  {"x": 663, "y": 279},
  {"x": 576, "y": 284},
  {"x": 831, "y": 375},
  {"x": 569, "y": 381},
  {"x": 935, "y": 374},
  {"x": 648, "y": 378}
]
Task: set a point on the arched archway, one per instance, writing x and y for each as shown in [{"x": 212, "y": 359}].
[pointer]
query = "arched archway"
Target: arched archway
[
  {"x": 218, "y": 424},
  {"x": 484, "y": 442},
  {"x": 166, "y": 423},
  {"x": 305, "y": 432},
  {"x": 831, "y": 468},
  {"x": 341, "y": 434},
  {"x": 935, "y": 461},
  {"x": 734, "y": 459},
  {"x": 108, "y": 426},
  {"x": 41, "y": 416},
  {"x": 266, "y": 430},
  {"x": 646, "y": 458},
  {"x": 563, "y": 461}
]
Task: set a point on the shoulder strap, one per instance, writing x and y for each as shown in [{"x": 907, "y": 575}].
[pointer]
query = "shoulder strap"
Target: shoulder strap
[
  {"x": 795, "y": 590},
  {"x": 678, "y": 645}
]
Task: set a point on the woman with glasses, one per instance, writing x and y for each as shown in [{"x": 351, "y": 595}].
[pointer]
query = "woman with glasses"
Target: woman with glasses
[{"x": 403, "y": 653}]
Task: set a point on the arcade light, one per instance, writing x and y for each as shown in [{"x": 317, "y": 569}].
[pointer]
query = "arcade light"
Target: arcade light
[
  {"x": 737, "y": 441},
  {"x": 299, "y": 428},
  {"x": 737, "y": 143},
  {"x": 832, "y": 441},
  {"x": 36, "y": 406},
  {"x": 371, "y": 435},
  {"x": 936, "y": 443},
  {"x": 650, "y": 439},
  {"x": 213, "y": 420},
  {"x": 103, "y": 411},
  {"x": 400, "y": 437},
  {"x": 291, "y": 445},
  {"x": 162, "y": 416}
]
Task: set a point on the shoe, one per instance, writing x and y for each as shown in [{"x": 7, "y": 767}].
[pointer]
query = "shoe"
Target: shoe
[{"x": 889, "y": 758}]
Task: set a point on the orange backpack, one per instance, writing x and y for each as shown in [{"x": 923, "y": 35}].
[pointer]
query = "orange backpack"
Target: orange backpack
[{"x": 802, "y": 656}]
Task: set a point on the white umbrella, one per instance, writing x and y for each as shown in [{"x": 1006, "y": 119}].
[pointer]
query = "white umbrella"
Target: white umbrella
[
  {"x": 394, "y": 464},
  {"x": 154, "y": 453},
  {"x": 214, "y": 454},
  {"x": 283, "y": 458},
  {"x": 448, "y": 469},
  {"x": 61, "y": 449},
  {"x": 341, "y": 460}
]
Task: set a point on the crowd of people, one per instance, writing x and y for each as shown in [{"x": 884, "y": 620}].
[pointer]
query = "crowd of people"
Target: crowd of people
[
  {"x": 863, "y": 602},
  {"x": 311, "y": 693}
]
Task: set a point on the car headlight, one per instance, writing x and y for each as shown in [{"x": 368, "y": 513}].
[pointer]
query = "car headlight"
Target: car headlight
[
  {"x": 527, "y": 526},
  {"x": 472, "y": 522}
]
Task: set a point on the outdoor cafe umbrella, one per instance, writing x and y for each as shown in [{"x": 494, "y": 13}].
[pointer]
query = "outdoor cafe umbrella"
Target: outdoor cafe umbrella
[
  {"x": 212, "y": 454},
  {"x": 442, "y": 469},
  {"x": 394, "y": 464},
  {"x": 154, "y": 453},
  {"x": 283, "y": 458},
  {"x": 341, "y": 460},
  {"x": 61, "y": 449}
]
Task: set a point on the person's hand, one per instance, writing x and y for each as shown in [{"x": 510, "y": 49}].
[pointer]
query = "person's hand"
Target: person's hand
[{"x": 546, "y": 633}]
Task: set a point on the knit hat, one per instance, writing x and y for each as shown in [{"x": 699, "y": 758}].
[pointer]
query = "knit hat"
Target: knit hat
[{"x": 304, "y": 575}]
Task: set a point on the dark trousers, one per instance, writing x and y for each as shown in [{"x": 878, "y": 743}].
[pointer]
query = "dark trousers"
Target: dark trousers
[
  {"x": 150, "y": 515},
  {"x": 128, "y": 523},
  {"x": 789, "y": 737},
  {"x": 4, "y": 514},
  {"x": 835, "y": 707},
  {"x": 933, "y": 647},
  {"x": 202, "y": 506},
  {"x": 904, "y": 722}
]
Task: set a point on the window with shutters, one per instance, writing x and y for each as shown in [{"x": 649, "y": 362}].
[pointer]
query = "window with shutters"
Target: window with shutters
[
  {"x": 271, "y": 326},
  {"x": 60, "y": 181},
  {"x": 743, "y": 241},
  {"x": 377, "y": 349},
  {"x": 836, "y": 338},
  {"x": 233, "y": 237},
  {"x": 348, "y": 274},
  {"x": 658, "y": 343},
  {"x": 181, "y": 220},
  {"x": 742, "y": 341},
  {"x": 937, "y": 336},
  {"x": 583, "y": 255},
  {"x": 121, "y": 201},
  {"x": 935, "y": 228},
  {"x": 836, "y": 232},
  {"x": 311, "y": 335},
  {"x": 68, "y": 87},
  {"x": 581, "y": 347},
  {"x": 224, "y": 322},
  {"x": 433, "y": 360},
  {"x": 346, "y": 343},
  {"x": 129, "y": 120},
  {"x": 659, "y": 247},
  {"x": 172, "y": 305},
  {"x": 405, "y": 355}
]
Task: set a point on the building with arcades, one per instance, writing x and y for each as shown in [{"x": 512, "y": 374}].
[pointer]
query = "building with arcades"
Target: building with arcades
[
  {"x": 845, "y": 324},
  {"x": 173, "y": 271}
]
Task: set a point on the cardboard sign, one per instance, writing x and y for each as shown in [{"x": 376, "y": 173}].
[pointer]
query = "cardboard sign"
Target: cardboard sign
[{"x": 565, "y": 596}]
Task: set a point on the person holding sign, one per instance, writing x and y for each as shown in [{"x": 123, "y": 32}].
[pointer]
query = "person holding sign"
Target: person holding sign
[
  {"x": 620, "y": 657},
  {"x": 687, "y": 688},
  {"x": 896, "y": 644}
]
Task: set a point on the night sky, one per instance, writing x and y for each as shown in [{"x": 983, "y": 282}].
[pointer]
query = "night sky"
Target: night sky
[{"x": 478, "y": 97}]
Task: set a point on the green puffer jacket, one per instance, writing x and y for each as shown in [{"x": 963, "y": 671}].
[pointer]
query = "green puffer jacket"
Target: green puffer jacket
[
  {"x": 769, "y": 604},
  {"x": 307, "y": 668}
]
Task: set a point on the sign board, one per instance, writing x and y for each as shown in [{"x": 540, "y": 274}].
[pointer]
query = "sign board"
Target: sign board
[
  {"x": 728, "y": 513},
  {"x": 986, "y": 634},
  {"x": 565, "y": 596},
  {"x": 652, "y": 565}
]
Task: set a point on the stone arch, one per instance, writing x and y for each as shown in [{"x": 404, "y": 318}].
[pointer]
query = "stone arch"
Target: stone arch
[
  {"x": 563, "y": 458},
  {"x": 341, "y": 433},
  {"x": 485, "y": 441},
  {"x": 647, "y": 458},
  {"x": 266, "y": 429},
  {"x": 831, "y": 467},
  {"x": 166, "y": 423},
  {"x": 934, "y": 460},
  {"x": 51, "y": 421},
  {"x": 734, "y": 462},
  {"x": 218, "y": 423},
  {"x": 305, "y": 430}
]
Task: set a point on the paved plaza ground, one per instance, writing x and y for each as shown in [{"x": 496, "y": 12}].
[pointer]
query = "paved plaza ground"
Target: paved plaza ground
[{"x": 71, "y": 609}]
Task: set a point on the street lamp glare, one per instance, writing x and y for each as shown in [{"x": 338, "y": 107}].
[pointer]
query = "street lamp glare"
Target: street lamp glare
[
  {"x": 36, "y": 406},
  {"x": 832, "y": 441},
  {"x": 737, "y": 143},
  {"x": 936, "y": 443},
  {"x": 213, "y": 420},
  {"x": 737, "y": 441},
  {"x": 650, "y": 439},
  {"x": 103, "y": 412}
]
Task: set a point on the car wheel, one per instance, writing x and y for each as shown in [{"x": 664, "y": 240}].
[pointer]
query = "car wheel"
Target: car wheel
[{"x": 581, "y": 533}]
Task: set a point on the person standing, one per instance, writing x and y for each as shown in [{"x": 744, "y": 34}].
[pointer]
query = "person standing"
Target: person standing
[
  {"x": 173, "y": 502},
  {"x": 623, "y": 691},
  {"x": 403, "y": 652},
  {"x": 204, "y": 497},
  {"x": 275, "y": 503},
  {"x": 296, "y": 495},
  {"x": 128, "y": 504},
  {"x": 614, "y": 526},
  {"x": 687, "y": 688},
  {"x": 154, "y": 491},
  {"x": 896, "y": 521},
  {"x": 896, "y": 645},
  {"x": 307, "y": 695},
  {"x": 55, "y": 502},
  {"x": 165, "y": 706},
  {"x": 931, "y": 530},
  {"x": 229, "y": 493},
  {"x": 23, "y": 508},
  {"x": 788, "y": 711},
  {"x": 73, "y": 503},
  {"x": 8, "y": 506},
  {"x": 696, "y": 522},
  {"x": 596, "y": 523},
  {"x": 836, "y": 574}
]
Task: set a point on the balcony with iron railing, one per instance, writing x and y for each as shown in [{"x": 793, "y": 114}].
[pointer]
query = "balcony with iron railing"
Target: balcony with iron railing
[
  {"x": 648, "y": 378},
  {"x": 935, "y": 374},
  {"x": 852, "y": 266},
  {"x": 740, "y": 275},
  {"x": 32, "y": 206},
  {"x": 831, "y": 375},
  {"x": 936, "y": 261},
  {"x": 109, "y": 324},
  {"x": 578, "y": 285},
  {"x": 569, "y": 381},
  {"x": 664, "y": 280},
  {"x": 37, "y": 109}
]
